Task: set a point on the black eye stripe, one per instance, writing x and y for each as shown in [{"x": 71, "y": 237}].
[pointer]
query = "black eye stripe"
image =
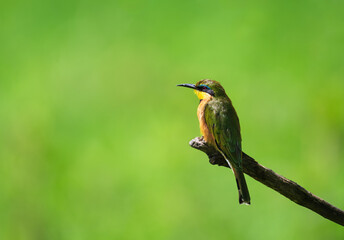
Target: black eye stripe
[{"x": 204, "y": 87}]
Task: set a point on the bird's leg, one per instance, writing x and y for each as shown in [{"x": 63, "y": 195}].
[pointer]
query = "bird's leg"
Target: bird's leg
[{"x": 215, "y": 157}]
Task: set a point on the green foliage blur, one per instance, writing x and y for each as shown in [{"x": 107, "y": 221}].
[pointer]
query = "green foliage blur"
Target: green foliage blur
[{"x": 94, "y": 132}]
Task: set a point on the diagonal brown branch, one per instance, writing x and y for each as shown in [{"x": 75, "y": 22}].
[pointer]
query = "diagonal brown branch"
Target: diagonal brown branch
[{"x": 284, "y": 186}]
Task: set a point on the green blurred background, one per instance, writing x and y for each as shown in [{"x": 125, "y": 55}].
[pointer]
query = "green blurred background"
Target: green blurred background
[{"x": 94, "y": 134}]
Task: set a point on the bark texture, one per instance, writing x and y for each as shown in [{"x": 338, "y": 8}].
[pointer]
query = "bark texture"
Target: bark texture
[{"x": 284, "y": 186}]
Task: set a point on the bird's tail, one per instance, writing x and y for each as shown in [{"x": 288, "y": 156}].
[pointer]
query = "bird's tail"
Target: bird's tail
[{"x": 244, "y": 195}]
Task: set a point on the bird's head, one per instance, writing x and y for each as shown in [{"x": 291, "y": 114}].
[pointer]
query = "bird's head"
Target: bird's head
[{"x": 206, "y": 88}]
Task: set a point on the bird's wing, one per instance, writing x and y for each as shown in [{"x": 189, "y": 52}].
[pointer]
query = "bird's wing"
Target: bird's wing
[{"x": 223, "y": 123}]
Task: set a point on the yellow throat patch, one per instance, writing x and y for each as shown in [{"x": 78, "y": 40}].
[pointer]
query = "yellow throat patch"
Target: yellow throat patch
[{"x": 202, "y": 95}]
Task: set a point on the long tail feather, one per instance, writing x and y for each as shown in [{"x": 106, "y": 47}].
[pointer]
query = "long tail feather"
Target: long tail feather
[{"x": 244, "y": 195}]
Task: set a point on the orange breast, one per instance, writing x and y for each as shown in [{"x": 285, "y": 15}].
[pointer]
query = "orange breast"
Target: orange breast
[{"x": 208, "y": 137}]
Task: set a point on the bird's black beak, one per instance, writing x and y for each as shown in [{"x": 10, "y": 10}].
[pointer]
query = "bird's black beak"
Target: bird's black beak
[{"x": 188, "y": 85}]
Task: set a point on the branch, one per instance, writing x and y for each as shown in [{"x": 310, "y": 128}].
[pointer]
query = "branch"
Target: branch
[{"x": 284, "y": 186}]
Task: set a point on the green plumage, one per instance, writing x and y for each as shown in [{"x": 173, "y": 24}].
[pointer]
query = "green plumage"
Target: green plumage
[{"x": 223, "y": 124}]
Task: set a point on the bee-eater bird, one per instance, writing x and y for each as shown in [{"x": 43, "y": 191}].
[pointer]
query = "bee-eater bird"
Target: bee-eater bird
[{"x": 219, "y": 125}]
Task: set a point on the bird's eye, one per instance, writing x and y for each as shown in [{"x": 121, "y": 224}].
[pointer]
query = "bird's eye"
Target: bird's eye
[{"x": 204, "y": 87}]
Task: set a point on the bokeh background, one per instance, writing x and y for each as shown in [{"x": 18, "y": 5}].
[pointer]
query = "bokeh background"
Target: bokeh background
[{"x": 94, "y": 134}]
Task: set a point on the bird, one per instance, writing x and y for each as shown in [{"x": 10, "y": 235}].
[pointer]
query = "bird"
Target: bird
[{"x": 220, "y": 127}]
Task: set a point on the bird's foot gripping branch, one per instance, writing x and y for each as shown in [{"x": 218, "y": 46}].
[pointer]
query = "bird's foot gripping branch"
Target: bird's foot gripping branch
[
  {"x": 284, "y": 186},
  {"x": 215, "y": 158}
]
